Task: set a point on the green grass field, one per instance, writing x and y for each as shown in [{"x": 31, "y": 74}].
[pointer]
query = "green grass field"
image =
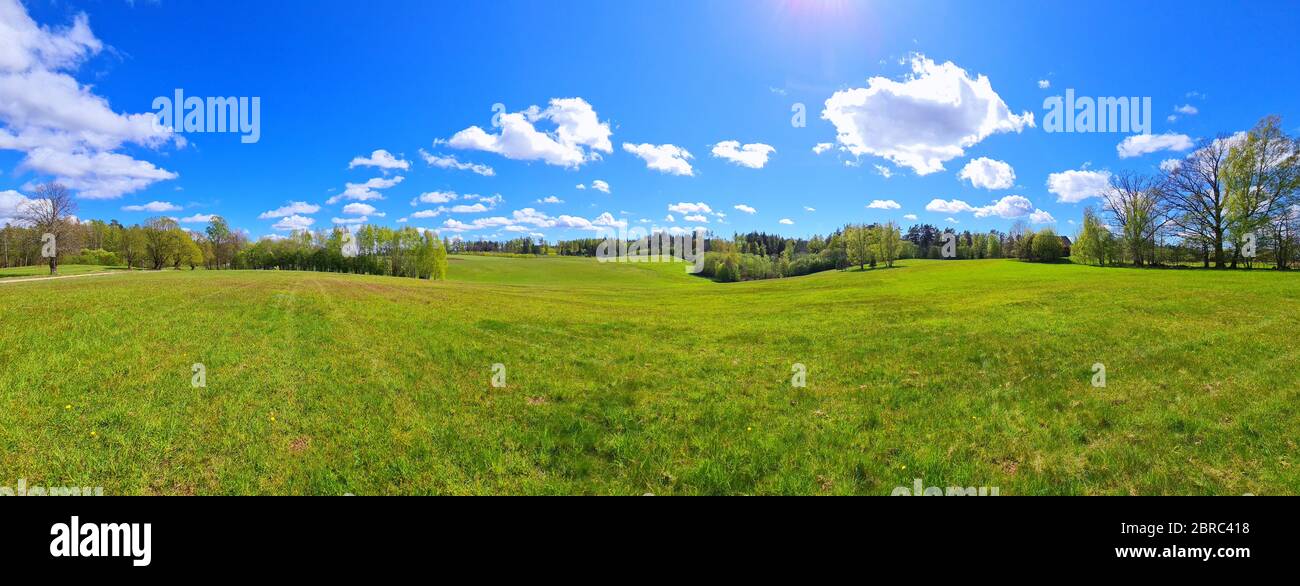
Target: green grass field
[{"x": 632, "y": 379}]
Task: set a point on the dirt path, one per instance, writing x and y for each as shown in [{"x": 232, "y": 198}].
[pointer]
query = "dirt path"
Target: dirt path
[{"x": 30, "y": 279}]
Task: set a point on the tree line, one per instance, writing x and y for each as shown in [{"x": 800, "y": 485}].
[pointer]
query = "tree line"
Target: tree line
[
  {"x": 160, "y": 242},
  {"x": 1233, "y": 201}
]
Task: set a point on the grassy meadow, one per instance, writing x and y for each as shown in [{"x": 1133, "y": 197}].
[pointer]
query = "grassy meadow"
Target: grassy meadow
[{"x": 632, "y": 379}]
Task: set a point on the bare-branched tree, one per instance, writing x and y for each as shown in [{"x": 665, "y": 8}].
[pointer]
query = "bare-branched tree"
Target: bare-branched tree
[{"x": 50, "y": 212}]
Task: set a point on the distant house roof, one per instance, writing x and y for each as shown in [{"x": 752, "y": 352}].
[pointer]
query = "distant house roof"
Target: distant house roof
[{"x": 1065, "y": 240}]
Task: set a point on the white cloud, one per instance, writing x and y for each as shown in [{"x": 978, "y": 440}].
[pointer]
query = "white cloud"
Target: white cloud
[
  {"x": 884, "y": 171},
  {"x": 1141, "y": 144},
  {"x": 533, "y": 217},
  {"x": 578, "y": 136},
  {"x": 809, "y": 209},
  {"x": 197, "y": 219},
  {"x": 350, "y": 221},
  {"x": 1170, "y": 165},
  {"x": 665, "y": 158},
  {"x": 361, "y": 209},
  {"x": 690, "y": 208},
  {"x": 986, "y": 173},
  {"x": 365, "y": 191},
  {"x": 929, "y": 118},
  {"x": 601, "y": 186},
  {"x": 606, "y": 219},
  {"x": 381, "y": 159},
  {"x": 884, "y": 204},
  {"x": 1044, "y": 84},
  {"x": 700, "y": 218},
  {"x": 10, "y": 202},
  {"x": 752, "y": 155},
  {"x": 153, "y": 206},
  {"x": 669, "y": 218},
  {"x": 477, "y": 208},
  {"x": 786, "y": 221},
  {"x": 1187, "y": 109},
  {"x": 909, "y": 217},
  {"x": 550, "y": 199},
  {"x": 952, "y": 220},
  {"x": 947, "y": 207},
  {"x": 1009, "y": 207},
  {"x": 821, "y": 147},
  {"x": 66, "y": 130},
  {"x": 744, "y": 208},
  {"x": 296, "y": 207},
  {"x": 434, "y": 197},
  {"x": 293, "y": 223},
  {"x": 1076, "y": 186},
  {"x": 451, "y": 162},
  {"x": 94, "y": 175},
  {"x": 1041, "y": 217}
]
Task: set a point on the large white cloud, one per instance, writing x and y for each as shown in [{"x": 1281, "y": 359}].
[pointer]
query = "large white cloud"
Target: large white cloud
[
  {"x": 96, "y": 175},
  {"x": 884, "y": 204},
  {"x": 1075, "y": 186},
  {"x": 578, "y": 135},
  {"x": 666, "y": 158},
  {"x": 986, "y": 173},
  {"x": 66, "y": 131},
  {"x": 1141, "y": 144},
  {"x": 930, "y": 117},
  {"x": 752, "y": 155}
]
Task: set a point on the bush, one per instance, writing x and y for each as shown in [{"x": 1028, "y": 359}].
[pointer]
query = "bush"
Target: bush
[{"x": 96, "y": 256}]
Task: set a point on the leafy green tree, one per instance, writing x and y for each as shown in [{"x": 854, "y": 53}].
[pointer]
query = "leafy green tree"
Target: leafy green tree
[
  {"x": 1047, "y": 246},
  {"x": 888, "y": 242}
]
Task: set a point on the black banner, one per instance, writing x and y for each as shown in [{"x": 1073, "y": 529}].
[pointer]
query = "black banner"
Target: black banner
[{"x": 1092, "y": 536}]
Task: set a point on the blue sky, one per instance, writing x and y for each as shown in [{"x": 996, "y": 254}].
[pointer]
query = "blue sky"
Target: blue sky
[{"x": 338, "y": 81}]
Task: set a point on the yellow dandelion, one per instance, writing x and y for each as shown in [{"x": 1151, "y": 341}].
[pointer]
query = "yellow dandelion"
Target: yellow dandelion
[
  {"x": 93, "y": 434},
  {"x": 67, "y": 406}
]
